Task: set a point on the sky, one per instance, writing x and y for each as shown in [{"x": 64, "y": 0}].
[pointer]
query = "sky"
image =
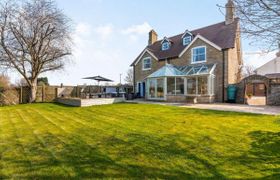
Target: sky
[{"x": 109, "y": 34}]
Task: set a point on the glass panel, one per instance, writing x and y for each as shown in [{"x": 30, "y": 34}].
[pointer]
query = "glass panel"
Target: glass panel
[
  {"x": 191, "y": 85},
  {"x": 160, "y": 88},
  {"x": 204, "y": 70},
  {"x": 180, "y": 86},
  {"x": 152, "y": 88},
  {"x": 202, "y": 85},
  {"x": 165, "y": 46},
  {"x": 187, "y": 40},
  {"x": 170, "y": 86},
  {"x": 147, "y": 64},
  {"x": 199, "y": 54}
]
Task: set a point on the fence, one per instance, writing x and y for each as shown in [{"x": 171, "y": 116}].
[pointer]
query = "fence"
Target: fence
[{"x": 47, "y": 93}]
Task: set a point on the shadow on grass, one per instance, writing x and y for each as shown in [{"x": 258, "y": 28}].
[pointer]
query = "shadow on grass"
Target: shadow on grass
[{"x": 135, "y": 156}]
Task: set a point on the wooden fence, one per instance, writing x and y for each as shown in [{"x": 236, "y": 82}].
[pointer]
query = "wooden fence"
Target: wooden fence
[{"x": 47, "y": 93}]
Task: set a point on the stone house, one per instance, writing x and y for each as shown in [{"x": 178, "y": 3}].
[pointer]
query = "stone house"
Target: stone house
[{"x": 194, "y": 66}]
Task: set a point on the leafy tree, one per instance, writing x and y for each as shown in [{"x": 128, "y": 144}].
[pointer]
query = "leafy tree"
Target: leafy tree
[{"x": 43, "y": 81}]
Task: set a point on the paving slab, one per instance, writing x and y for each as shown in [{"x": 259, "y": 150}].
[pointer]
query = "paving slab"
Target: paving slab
[{"x": 269, "y": 110}]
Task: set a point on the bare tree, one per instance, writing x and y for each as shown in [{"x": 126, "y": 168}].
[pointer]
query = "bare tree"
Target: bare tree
[
  {"x": 129, "y": 77},
  {"x": 34, "y": 38},
  {"x": 248, "y": 70},
  {"x": 260, "y": 19}
]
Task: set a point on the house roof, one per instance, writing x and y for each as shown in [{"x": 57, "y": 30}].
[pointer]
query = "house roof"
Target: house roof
[
  {"x": 273, "y": 76},
  {"x": 220, "y": 34},
  {"x": 170, "y": 70}
]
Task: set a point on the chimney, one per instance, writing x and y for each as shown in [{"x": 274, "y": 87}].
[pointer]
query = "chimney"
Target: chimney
[
  {"x": 230, "y": 12},
  {"x": 152, "y": 37}
]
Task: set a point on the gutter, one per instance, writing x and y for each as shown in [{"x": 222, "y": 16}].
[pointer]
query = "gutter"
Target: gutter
[
  {"x": 134, "y": 82},
  {"x": 223, "y": 77}
]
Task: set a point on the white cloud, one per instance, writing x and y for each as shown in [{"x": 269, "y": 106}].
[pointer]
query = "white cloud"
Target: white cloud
[
  {"x": 133, "y": 32},
  {"x": 104, "y": 31},
  {"x": 82, "y": 29}
]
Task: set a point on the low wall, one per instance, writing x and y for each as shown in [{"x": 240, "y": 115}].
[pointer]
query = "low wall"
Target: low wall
[{"x": 88, "y": 102}]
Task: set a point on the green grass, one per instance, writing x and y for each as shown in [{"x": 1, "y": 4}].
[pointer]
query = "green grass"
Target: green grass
[{"x": 136, "y": 141}]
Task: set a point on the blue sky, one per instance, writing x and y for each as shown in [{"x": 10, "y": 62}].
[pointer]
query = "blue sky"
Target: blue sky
[{"x": 109, "y": 34}]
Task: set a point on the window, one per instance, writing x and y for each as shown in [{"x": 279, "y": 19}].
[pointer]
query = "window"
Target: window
[
  {"x": 152, "y": 88},
  {"x": 156, "y": 88},
  {"x": 187, "y": 40},
  {"x": 146, "y": 63},
  {"x": 191, "y": 85},
  {"x": 170, "y": 86},
  {"x": 165, "y": 46},
  {"x": 175, "y": 86},
  {"x": 202, "y": 85},
  {"x": 180, "y": 86},
  {"x": 198, "y": 54},
  {"x": 160, "y": 88}
]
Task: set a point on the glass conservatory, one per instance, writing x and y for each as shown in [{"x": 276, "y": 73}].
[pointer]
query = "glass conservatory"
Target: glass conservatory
[{"x": 173, "y": 80}]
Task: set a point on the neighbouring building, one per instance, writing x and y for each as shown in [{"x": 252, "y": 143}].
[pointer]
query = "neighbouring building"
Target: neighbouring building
[
  {"x": 195, "y": 66},
  {"x": 271, "y": 67}
]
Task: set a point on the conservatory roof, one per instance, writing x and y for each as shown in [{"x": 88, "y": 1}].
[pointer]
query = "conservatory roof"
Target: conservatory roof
[
  {"x": 167, "y": 70},
  {"x": 191, "y": 70}
]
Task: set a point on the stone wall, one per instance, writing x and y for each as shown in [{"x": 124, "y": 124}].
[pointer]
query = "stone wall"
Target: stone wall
[
  {"x": 190, "y": 99},
  {"x": 88, "y": 102},
  {"x": 214, "y": 56},
  {"x": 273, "y": 97}
]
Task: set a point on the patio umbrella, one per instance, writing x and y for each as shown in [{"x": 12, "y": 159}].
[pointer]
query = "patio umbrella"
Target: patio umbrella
[{"x": 99, "y": 79}]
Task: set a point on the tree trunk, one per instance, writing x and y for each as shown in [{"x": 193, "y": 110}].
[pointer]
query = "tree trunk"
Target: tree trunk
[{"x": 33, "y": 92}]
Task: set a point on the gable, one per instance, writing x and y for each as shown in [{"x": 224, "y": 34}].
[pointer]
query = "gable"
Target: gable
[
  {"x": 140, "y": 57},
  {"x": 199, "y": 37}
]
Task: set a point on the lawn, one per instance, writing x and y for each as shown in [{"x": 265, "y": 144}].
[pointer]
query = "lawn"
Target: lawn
[{"x": 136, "y": 141}]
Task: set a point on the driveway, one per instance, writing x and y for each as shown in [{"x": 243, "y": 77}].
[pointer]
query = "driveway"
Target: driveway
[{"x": 269, "y": 110}]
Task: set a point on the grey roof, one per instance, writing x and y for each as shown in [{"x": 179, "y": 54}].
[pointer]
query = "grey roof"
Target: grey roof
[{"x": 170, "y": 70}]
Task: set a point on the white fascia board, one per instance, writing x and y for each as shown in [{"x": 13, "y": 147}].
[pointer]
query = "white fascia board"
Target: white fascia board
[
  {"x": 146, "y": 51},
  {"x": 203, "y": 39}
]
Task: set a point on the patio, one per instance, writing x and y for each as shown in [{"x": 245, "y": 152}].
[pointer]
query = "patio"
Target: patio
[{"x": 269, "y": 110}]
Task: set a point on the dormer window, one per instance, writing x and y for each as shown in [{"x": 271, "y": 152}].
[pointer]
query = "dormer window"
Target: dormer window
[
  {"x": 165, "y": 46},
  {"x": 187, "y": 40}
]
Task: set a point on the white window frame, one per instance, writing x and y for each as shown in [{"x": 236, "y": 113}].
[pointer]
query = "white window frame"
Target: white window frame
[
  {"x": 189, "y": 40},
  {"x": 196, "y": 62},
  {"x": 143, "y": 63},
  {"x": 210, "y": 86},
  {"x": 164, "y": 43},
  {"x": 156, "y": 86},
  {"x": 175, "y": 86}
]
